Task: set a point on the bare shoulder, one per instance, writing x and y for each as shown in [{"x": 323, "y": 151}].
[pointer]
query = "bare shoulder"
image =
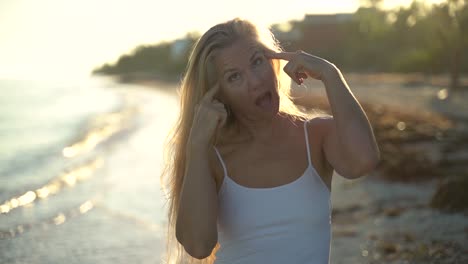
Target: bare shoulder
[
  {"x": 321, "y": 124},
  {"x": 317, "y": 129}
]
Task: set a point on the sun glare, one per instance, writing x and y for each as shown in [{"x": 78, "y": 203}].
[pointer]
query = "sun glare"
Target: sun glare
[{"x": 66, "y": 38}]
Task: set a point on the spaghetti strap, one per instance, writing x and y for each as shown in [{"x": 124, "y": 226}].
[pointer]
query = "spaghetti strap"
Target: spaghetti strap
[
  {"x": 221, "y": 160},
  {"x": 307, "y": 142}
]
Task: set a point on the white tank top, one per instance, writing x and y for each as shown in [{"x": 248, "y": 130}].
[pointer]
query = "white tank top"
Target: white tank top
[{"x": 290, "y": 223}]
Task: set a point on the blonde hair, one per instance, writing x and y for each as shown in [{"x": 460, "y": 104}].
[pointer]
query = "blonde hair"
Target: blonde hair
[{"x": 196, "y": 82}]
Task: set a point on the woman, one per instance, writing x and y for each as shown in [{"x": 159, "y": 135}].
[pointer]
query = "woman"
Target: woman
[{"x": 250, "y": 174}]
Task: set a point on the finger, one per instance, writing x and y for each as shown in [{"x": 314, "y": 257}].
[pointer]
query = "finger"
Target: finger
[
  {"x": 299, "y": 80},
  {"x": 219, "y": 107},
  {"x": 302, "y": 75},
  {"x": 216, "y": 102},
  {"x": 293, "y": 77},
  {"x": 299, "y": 73},
  {"x": 280, "y": 55},
  {"x": 290, "y": 70},
  {"x": 222, "y": 120},
  {"x": 208, "y": 97}
]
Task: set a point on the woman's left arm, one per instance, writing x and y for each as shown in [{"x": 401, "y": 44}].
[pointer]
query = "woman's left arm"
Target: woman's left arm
[{"x": 349, "y": 144}]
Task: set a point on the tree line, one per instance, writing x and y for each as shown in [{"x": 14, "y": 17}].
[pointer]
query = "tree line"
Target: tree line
[{"x": 429, "y": 39}]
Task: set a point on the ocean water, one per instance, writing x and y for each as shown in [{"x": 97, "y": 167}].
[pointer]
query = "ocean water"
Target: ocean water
[{"x": 79, "y": 171}]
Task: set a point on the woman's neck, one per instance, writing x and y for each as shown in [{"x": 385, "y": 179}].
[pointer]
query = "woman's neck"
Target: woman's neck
[{"x": 263, "y": 132}]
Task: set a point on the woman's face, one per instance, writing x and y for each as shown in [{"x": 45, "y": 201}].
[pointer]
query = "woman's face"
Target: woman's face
[{"x": 248, "y": 82}]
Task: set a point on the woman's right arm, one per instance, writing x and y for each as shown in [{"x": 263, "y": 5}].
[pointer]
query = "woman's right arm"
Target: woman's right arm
[
  {"x": 196, "y": 227},
  {"x": 198, "y": 208}
]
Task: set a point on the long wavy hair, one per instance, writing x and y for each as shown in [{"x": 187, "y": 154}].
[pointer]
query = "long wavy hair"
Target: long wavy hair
[{"x": 196, "y": 81}]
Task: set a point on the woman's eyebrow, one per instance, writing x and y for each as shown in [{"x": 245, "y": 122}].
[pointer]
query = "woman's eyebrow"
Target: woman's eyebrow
[
  {"x": 228, "y": 70},
  {"x": 255, "y": 53},
  {"x": 251, "y": 58}
]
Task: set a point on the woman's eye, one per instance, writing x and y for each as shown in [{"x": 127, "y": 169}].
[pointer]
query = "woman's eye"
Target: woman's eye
[
  {"x": 233, "y": 77},
  {"x": 258, "y": 61}
]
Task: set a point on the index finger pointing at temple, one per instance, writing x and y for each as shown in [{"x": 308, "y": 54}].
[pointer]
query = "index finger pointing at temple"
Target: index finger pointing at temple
[
  {"x": 280, "y": 55},
  {"x": 211, "y": 93}
]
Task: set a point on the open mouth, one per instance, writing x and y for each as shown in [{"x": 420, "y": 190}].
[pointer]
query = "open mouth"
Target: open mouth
[{"x": 264, "y": 101}]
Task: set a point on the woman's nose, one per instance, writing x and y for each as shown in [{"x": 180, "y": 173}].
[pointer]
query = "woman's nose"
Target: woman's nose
[{"x": 253, "y": 80}]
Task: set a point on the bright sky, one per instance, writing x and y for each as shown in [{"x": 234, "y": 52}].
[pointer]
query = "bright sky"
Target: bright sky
[{"x": 68, "y": 38}]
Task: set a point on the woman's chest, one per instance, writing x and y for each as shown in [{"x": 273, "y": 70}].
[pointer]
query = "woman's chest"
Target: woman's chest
[
  {"x": 272, "y": 166},
  {"x": 267, "y": 169}
]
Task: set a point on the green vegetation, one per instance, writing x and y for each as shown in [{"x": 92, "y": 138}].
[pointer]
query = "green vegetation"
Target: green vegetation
[
  {"x": 159, "y": 60},
  {"x": 419, "y": 38}
]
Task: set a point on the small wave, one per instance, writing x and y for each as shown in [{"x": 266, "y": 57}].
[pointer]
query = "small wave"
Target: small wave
[
  {"x": 102, "y": 129},
  {"x": 68, "y": 179},
  {"x": 55, "y": 220}
]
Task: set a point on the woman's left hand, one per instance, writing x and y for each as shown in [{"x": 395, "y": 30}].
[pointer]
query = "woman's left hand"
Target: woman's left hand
[{"x": 302, "y": 65}]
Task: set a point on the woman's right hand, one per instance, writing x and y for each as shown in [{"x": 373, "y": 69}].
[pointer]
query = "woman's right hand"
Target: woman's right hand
[{"x": 210, "y": 115}]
